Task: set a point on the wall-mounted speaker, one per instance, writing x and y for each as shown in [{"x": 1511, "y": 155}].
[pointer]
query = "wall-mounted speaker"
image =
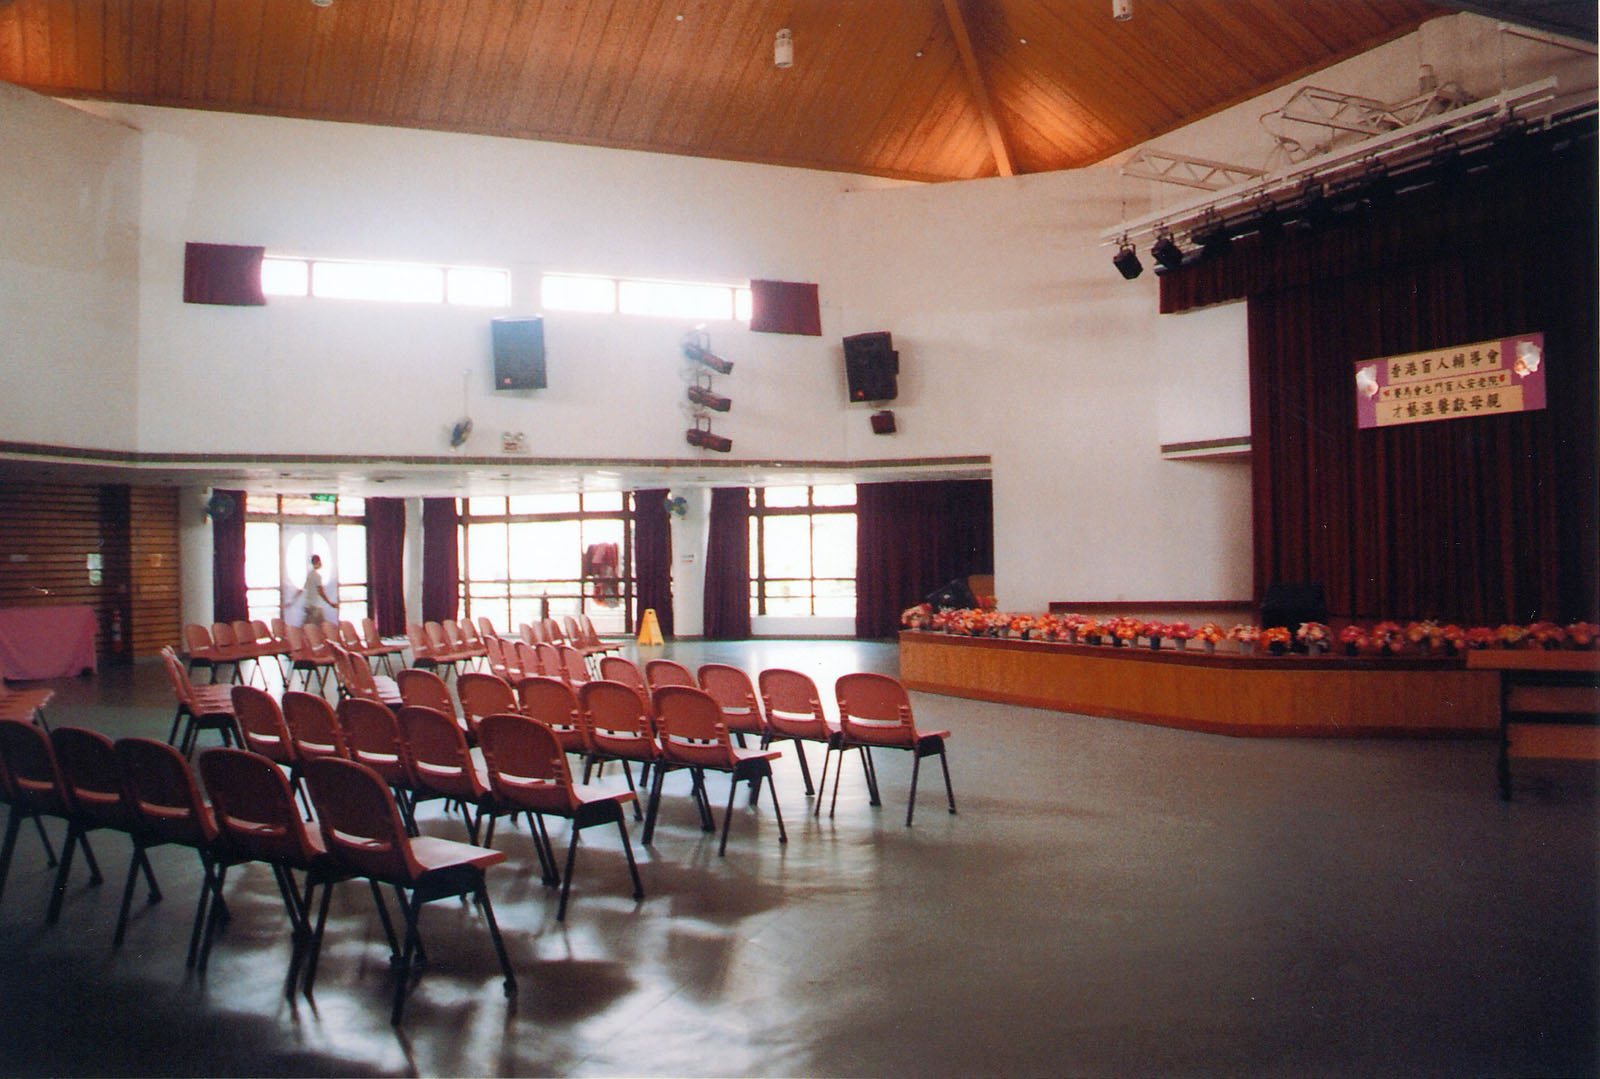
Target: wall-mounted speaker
[
  {"x": 518, "y": 353},
  {"x": 883, "y": 422},
  {"x": 870, "y": 366}
]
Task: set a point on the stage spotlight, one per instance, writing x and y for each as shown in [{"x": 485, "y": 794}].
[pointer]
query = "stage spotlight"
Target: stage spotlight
[
  {"x": 705, "y": 356},
  {"x": 1126, "y": 260},
  {"x": 1269, "y": 219},
  {"x": 1166, "y": 252},
  {"x": 703, "y": 438},
  {"x": 702, "y": 396},
  {"x": 1316, "y": 211},
  {"x": 1213, "y": 236}
]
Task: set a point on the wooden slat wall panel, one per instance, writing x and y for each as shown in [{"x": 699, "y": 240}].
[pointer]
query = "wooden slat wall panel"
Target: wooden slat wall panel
[
  {"x": 1069, "y": 85},
  {"x": 48, "y": 532}
]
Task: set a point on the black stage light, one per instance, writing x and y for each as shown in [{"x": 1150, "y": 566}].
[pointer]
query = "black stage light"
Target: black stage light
[
  {"x": 702, "y": 437},
  {"x": 1213, "y": 236},
  {"x": 1269, "y": 219},
  {"x": 1316, "y": 211},
  {"x": 1166, "y": 252},
  {"x": 1126, "y": 260},
  {"x": 701, "y": 354},
  {"x": 702, "y": 395}
]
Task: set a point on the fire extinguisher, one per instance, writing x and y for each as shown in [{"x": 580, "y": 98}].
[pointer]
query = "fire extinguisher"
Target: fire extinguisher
[{"x": 116, "y": 631}]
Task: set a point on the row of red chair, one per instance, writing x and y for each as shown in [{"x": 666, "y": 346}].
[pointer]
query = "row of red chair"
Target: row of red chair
[{"x": 304, "y": 648}]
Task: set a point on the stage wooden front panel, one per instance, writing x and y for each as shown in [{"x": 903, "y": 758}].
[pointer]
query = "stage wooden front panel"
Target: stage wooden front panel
[{"x": 1226, "y": 692}]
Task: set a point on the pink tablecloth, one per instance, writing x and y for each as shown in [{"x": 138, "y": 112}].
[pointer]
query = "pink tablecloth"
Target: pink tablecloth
[{"x": 46, "y": 642}]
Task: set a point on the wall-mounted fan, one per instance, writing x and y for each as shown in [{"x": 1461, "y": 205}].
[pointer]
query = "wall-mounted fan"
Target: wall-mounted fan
[
  {"x": 219, "y": 507},
  {"x": 460, "y": 432}
]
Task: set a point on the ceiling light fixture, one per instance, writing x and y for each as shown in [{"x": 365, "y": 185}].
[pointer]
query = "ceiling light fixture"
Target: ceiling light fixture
[
  {"x": 1126, "y": 260},
  {"x": 1166, "y": 251},
  {"x": 783, "y": 48}
]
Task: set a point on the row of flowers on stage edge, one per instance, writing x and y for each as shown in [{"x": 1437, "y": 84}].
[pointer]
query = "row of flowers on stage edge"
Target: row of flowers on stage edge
[{"x": 1383, "y": 638}]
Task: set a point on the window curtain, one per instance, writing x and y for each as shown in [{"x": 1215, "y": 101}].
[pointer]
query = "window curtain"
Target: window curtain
[
  {"x": 386, "y": 535},
  {"x": 785, "y": 307},
  {"x": 1482, "y": 519},
  {"x": 652, "y": 557},
  {"x": 441, "y": 565},
  {"x": 226, "y": 274},
  {"x": 912, "y": 538},
  {"x": 727, "y": 592},
  {"x": 229, "y": 600}
]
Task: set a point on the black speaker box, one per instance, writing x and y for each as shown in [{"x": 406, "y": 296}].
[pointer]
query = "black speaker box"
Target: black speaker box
[
  {"x": 870, "y": 366},
  {"x": 518, "y": 353}
]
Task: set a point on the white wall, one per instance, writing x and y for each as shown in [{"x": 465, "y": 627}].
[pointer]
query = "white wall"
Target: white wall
[{"x": 69, "y": 275}]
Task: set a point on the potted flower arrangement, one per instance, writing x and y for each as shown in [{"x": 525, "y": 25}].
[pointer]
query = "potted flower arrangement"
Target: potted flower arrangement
[
  {"x": 1582, "y": 634},
  {"x": 1091, "y": 631},
  {"x": 1388, "y": 638},
  {"x": 1420, "y": 635},
  {"x": 1277, "y": 639},
  {"x": 1209, "y": 634},
  {"x": 1153, "y": 632},
  {"x": 1246, "y": 635},
  {"x": 1546, "y": 634},
  {"x": 1072, "y": 627},
  {"x": 1126, "y": 630},
  {"x": 1020, "y": 625},
  {"x": 1451, "y": 639},
  {"x": 1355, "y": 639},
  {"x": 1479, "y": 637},
  {"x": 1179, "y": 633},
  {"x": 918, "y": 617},
  {"x": 1314, "y": 635},
  {"x": 1511, "y": 636}
]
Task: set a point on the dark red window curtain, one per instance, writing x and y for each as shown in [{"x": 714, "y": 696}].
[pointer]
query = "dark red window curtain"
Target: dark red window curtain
[
  {"x": 227, "y": 274},
  {"x": 913, "y": 538},
  {"x": 652, "y": 556},
  {"x": 441, "y": 565},
  {"x": 1485, "y": 519},
  {"x": 386, "y": 537},
  {"x": 229, "y": 601},
  {"x": 785, "y": 307},
  {"x": 727, "y": 592}
]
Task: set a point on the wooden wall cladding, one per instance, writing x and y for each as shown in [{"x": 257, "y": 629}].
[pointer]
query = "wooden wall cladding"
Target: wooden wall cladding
[{"x": 48, "y": 535}]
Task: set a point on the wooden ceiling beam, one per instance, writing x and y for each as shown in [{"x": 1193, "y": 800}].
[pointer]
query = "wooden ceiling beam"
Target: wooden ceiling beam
[{"x": 980, "y": 92}]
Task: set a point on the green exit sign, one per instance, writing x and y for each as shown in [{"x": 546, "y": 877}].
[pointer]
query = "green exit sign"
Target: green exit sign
[{"x": 324, "y": 498}]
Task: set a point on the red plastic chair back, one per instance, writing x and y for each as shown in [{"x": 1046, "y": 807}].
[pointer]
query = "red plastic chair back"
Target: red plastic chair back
[
  {"x": 667, "y": 672},
  {"x": 92, "y": 775},
  {"x": 624, "y": 670},
  {"x": 494, "y": 648},
  {"x": 573, "y": 668},
  {"x": 483, "y": 695},
  {"x": 372, "y": 737},
  {"x": 553, "y": 703},
  {"x": 361, "y": 825},
  {"x": 730, "y": 687},
  {"x": 794, "y": 708},
  {"x": 551, "y": 664},
  {"x": 244, "y": 634},
  {"x": 617, "y": 720},
  {"x": 313, "y": 725},
  {"x": 437, "y": 755},
  {"x": 197, "y": 640},
  {"x": 418, "y": 638},
  {"x": 424, "y": 689},
  {"x": 222, "y": 636},
  {"x": 254, "y": 808},
  {"x": 317, "y": 641},
  {"x": 182, "y": 687},
  {"x": 163, "y": 799},
  {"x": 30, "y": 763},
  {"x": 550, "y": 631},
  {"x": 261, "y": 722},
  {"x": 690, "y": 729},
  {"x": 528, "y": 659},
  {"x": 439, "y": 644},
  {"x": 486, "y": 628},
  {"x": 527, "y": 764},
  {"x": 350, "y": 637},
  {"x": 875, "y": 708}
]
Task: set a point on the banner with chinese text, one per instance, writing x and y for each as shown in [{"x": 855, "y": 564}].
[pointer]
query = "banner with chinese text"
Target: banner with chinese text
[{"x": 1481, "y": 379}]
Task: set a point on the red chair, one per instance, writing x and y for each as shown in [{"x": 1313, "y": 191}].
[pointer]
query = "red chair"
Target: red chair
[
  {"x": 313, "y": 726},
  {"x": 372, "y": 737},
  {"x": 264, "y": 732},
  {"x": 227, "y": 649},
  {"x": 692, "y": 734},
  {"x": 255, "y": 813},
  {"x": 19, "y": 812},
  {"x": 494, "y": 650},
  {"x": 624, "y": 670},
  {"x": 591, "y": 638},
  {"x": 574, "y": 667},
  {"x": 357, "y": 680},
  {"x": 528, "y": 661},
  {"x": 552, "y": 702},
  {"x": 422, "y": 651},
  {"x": 425, "y": 689},
  {"x": 483, "y": 695},
  {"x": 25, "y": 704},
  {"x": 440, "y": 764},
  {"x": 617, "y": 721},
  {"x": 165, "y": 807},
  {"x": 304, "y": 656},
  {"x": 730, "y": 687},
  {"x": 875, "y": 712},
  {"x": 36, "y": 790},
  {"x": 794, "y": 712},
  {"x": 92, "y": 783},
  {"x": 363, "y": 831},
  {"x": 528, "y": 770},
  {"x": 667, "y": 672},
  {"x": 550, "y": 632},
  {"x": 378, "y": 648},
  {"x": 199, "y": 708},
  {"x": 551, "y": 665}
]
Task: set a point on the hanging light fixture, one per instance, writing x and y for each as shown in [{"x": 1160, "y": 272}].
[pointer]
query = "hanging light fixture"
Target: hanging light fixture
[
  {"x": 1126, "y": 260},
  {"x": 1166, "y": 251}
]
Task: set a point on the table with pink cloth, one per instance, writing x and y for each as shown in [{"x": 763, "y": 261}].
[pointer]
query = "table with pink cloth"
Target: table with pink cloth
[{"x": 46, "y": 642}]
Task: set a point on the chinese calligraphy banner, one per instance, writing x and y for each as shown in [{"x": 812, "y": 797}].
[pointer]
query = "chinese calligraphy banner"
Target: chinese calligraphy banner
[{"x": 1481, "y": 379}]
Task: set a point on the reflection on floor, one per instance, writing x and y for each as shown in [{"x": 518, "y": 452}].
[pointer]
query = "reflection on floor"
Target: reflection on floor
[{"x": 1113, "y": 899}]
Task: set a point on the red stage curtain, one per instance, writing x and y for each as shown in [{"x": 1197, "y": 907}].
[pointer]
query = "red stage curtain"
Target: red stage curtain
[
  {"x": 226, "y": 274},
  {"x": 1482, "y": 520},
  {"x": 727, "y": 594},
  {"x": 913, "y": 538},
  {"x": 386, "y": 536},
  {"x": 229, "y": 600},
  {"x": 785, "y": 307},
  {"x": 652, "y": 557},
  {"x": 441, "y": 564}
]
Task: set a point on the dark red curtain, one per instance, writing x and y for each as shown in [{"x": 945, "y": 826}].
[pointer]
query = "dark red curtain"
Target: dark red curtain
[
  {"x": 386, "y": 537},
  {"x": 441, "y": 564},
  {"x": 227, "y": 274},
  {"x": 912, "y": 538},
  {"x": 785, "y": 307},
  {"x": 1484, "y": 519},
  {"x": 727, "y": 590},
  {"x": 229, "y": 601},
  {"x": 652, "y": 557}
]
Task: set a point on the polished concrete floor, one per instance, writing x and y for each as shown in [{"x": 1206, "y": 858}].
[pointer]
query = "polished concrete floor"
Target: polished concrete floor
[{"x": 1112, "y": 900}]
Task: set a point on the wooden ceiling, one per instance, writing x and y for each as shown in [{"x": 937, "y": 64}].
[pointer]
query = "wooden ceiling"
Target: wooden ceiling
[{"x": 917, "y": 89}]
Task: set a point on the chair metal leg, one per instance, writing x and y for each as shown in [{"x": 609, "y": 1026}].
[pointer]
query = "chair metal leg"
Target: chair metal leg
[
  {"x": 403, "y": 970},
  {"x": 805, "y": 769},
  {"x": 949, "y": 791},
  {"x": 494, "y": 935},
  {"x": 653, "y": 808},
  {"x": 566, "y": 881},
  {"x": 727, "y": 814},
  {"x": 627, "y": 850},
  {"x": 916, "y": 767},
  {"x": 127, "y": 896},
  {"x": 59, "y": 892},
  {"x": 13, "y": 825}
]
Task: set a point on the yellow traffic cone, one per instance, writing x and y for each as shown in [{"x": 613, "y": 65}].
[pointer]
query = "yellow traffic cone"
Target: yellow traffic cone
[{"x": 649, "y": 628}]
